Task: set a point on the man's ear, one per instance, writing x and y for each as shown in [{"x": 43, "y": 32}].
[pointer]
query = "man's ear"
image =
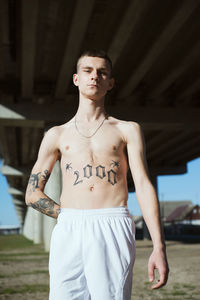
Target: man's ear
[
  {"x": 111, "y": 83},
  {"x": 75, "y": 79}
]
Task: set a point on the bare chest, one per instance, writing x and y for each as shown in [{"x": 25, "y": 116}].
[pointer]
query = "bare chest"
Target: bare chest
[{"x": 105, "y": 145}]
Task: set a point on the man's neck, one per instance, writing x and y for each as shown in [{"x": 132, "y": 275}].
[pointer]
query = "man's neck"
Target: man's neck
[{"x": 90, "y": 110}]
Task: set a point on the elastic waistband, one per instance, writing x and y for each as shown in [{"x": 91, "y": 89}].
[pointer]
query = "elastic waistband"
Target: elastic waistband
[{"x": 118, "y": 211}]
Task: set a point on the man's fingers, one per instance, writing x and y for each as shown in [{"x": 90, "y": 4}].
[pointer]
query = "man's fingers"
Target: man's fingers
[
  {"x": 151, "y": 272},
  {"x": 158, "y": 285},
  {"x": 160, "y": 282}
]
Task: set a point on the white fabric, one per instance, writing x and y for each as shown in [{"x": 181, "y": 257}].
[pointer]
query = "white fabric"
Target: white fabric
[{"x": 92, "y": 254}]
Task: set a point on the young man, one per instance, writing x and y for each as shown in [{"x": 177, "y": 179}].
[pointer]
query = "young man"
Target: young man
[{"x": 93, "y": 243}]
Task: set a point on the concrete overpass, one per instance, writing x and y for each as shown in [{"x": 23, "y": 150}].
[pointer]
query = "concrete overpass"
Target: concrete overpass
[{"x": 154, "y": 46}]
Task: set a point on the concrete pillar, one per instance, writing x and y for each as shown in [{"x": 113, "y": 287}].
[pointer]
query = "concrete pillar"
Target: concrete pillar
[
  {"x": 28, "y": 229},
  {"x": 38, "y": 227},
  {"x": 146, "y": 234},
  {"x": 53, "y": 190}
]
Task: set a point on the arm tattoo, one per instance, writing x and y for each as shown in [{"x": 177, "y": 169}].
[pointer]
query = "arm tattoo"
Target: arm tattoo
[
  {"x": 33, "y": 183},
  {"x": 34, "y": 180},
  {"x": 45, "y": 176},
  {"x": 47, "y": 207}
]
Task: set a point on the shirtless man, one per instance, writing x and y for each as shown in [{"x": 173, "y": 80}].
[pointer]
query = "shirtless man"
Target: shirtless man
[{"x": 93, "y": 243}]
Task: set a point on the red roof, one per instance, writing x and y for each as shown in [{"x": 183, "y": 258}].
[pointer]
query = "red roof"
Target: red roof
[{"x": 179, "y": 213}]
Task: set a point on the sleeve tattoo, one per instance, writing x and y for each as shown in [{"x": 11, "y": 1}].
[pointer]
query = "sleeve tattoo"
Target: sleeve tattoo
[
  {"x": 34, "y": 179},
  {"x": 45, "y": 205}
]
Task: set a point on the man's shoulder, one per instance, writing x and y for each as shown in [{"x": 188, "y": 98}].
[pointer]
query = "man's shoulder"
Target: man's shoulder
[
  {"x": 125, "y": 125},
  {"x": 130, "y": 130},
  {"x": 56, "y": 131}
]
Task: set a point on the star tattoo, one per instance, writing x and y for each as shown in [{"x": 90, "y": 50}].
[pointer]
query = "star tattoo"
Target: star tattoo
[
  {"x": 115, "y": 164},
  {"x": 68, "y": 167}
]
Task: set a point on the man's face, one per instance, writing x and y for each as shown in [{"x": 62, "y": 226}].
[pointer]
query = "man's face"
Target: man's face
[{"x": 93, "y": 77}]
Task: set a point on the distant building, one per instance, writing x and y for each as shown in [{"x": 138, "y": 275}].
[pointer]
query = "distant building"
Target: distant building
[
  {"x": 138, "y": 220},
  {"x": 185, "y": 214},
  {"x": 9, "y": 229},
  {"x": 168, "y": 207},
  {"x": 181, "y": 221}
]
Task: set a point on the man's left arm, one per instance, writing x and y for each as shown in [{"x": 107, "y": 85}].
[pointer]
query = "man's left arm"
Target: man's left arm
[{"x": 148, "y": 201}]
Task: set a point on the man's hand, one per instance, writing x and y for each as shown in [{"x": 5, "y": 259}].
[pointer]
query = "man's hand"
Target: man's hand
[{"x": 158, "y": 260}]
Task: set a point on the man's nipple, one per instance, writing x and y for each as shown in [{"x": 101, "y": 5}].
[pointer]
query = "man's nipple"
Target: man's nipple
[{"x": 67, "y": 147}]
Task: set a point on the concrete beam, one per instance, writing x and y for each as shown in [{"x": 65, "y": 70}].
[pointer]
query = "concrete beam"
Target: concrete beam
[
  {"x": 164, "y": 118},
  {"x": 170, "y": 144},
  {"x": 188, "y": 91},
  {"x": 21, "y": 123},
  {"x": 57, "y": 112},
  {"x": 134, "y": 13},
  {"x": 10, "y": 171},
  {"x": 157, "y": 140},
  {"x": 78, "y": 28},
  {"x": 155, "y": 118},
  {"x": 8, "y": 113},
  {"x": 175, "y": 73},
  {"x": 15, "y": 192},
  {"x": 168, "y": 169},
  {"x": 179, "y": 18},
  {"x": 29, "y": 26},
  {"x": 4, "y": 36},
  {"x": 19, "y": 203},
  {"x": 174, "y": 154},
  {"x": 4, "y": 147},
  {"x": 187, "y": 150},
  {"x": 19, "y": 210}
]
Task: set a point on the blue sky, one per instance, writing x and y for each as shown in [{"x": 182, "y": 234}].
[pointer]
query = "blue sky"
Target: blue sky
[{"x": 173, "y": 187}]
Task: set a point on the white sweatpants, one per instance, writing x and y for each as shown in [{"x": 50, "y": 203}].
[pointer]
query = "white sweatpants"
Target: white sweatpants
[{"x": 92, "y": 254}]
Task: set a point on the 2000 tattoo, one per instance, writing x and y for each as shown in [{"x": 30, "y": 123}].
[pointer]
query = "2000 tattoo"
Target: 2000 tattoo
[{"x": 88, "y": 171}]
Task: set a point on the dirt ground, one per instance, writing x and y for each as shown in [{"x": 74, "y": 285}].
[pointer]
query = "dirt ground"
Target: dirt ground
[{"x": 24, "y": 273}]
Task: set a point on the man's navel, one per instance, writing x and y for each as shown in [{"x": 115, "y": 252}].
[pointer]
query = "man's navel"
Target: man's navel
[{"x": 91, "y": 188}]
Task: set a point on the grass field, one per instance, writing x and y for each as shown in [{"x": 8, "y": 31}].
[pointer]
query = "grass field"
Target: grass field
[{"x": 24, "y": 271}]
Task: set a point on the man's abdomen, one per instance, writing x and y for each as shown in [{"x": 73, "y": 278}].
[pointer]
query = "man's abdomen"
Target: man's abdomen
[{"x": 95, "y": 193}]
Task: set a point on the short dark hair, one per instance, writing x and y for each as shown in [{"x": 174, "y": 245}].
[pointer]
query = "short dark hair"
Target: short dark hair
[{"x": 96, "y": 53}]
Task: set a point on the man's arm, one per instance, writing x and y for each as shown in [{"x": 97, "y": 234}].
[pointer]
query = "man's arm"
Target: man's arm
[
  {"x": 47, "y": 156},
  {"x": 148, "y": 201}
]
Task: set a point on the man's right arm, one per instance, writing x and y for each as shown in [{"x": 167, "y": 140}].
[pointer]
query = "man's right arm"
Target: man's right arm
[{"x": 47, "y": 156}]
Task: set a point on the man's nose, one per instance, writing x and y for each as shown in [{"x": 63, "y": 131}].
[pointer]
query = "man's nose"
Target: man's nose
[{"x": 95, "y": 75}]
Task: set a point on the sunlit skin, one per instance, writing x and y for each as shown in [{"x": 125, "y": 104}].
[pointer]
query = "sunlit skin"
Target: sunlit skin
[{"x": 94, "y": 169}]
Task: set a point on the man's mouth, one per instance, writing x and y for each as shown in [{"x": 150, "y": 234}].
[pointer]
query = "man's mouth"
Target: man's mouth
[{"x": 93, "y": 85}]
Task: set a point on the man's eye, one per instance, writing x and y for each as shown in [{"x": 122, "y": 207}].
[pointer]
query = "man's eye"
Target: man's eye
[{"x": 103, "y": 73}]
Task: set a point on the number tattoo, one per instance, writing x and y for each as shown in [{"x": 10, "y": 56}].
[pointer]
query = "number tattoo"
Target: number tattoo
[
  {"x": 100, "y": 172},
  {"x": 77, "y": 177}
]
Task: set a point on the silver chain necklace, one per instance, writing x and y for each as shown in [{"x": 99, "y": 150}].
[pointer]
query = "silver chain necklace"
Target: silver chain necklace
[{"x": 86, "y": 136}]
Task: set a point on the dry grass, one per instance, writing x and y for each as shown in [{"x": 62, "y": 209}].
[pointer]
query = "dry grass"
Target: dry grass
[
  {"x": 24, "y": 271},
  {"x": 183, "y": 283}
]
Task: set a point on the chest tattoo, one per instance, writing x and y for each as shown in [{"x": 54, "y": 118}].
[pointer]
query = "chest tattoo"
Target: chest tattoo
[{"x": 99, "y": 171}]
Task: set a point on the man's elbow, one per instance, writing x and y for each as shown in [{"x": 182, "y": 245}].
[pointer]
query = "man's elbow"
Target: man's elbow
[
  {"x": 143, "y": 185},
  {"x": 28, "y": 198}
]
